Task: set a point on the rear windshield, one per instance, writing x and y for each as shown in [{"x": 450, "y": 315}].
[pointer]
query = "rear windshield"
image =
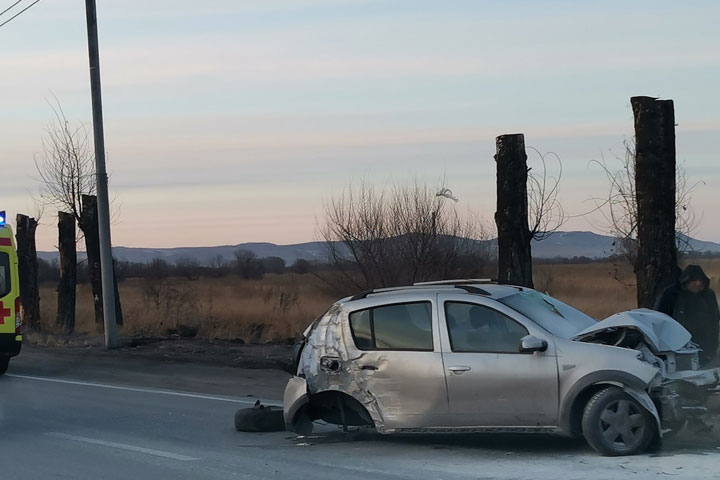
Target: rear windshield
[
  {"x": 550, "y": 313},
  {"x": 4, "y": 274}
]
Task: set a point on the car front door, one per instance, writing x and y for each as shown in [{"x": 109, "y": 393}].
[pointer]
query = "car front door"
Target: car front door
[{"x": 490, "y": 383}]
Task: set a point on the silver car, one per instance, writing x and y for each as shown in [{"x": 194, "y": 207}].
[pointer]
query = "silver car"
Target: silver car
[{"x": 469, "y": 356}]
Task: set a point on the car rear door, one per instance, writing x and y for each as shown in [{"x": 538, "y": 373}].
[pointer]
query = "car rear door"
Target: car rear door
[
  {"x": 400, "y": 360},
  {"x": 490, "y": 383}
]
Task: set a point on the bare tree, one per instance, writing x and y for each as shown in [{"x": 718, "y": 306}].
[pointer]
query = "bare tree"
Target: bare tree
[
  {"x": 527, "y": 207},
  {"x": 66, "y": 165},
  {"x": 620, "y": 211},
  {"x": 247, "y": 265},
  {"x": 401, "y": 235},
  {"x": 66, "y": 169}
]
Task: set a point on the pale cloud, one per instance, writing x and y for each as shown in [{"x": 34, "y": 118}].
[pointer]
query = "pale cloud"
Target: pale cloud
[
  {"x": 245, "y": 115},
  {"x": 225, "y": 61}
]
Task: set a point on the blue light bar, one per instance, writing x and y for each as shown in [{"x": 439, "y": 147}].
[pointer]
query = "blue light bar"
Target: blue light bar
[{"x": 2, "y": 218}]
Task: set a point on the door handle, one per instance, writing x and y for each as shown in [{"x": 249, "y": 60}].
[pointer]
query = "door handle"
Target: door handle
[
  {"x": 368, "y": 367},
  {"x": 459, "y": 369}
]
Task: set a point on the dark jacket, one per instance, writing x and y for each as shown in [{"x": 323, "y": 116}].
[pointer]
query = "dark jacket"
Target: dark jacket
[{"x": 697, "y": 312}]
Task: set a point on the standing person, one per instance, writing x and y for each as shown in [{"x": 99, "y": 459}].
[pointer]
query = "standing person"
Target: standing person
[{"x": 693, "y": 304}]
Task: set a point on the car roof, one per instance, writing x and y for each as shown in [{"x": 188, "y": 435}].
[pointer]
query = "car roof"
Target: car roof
[{"x": 484, "y": 288}]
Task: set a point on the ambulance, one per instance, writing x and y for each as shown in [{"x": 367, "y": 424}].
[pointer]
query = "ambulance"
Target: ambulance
[{"x": 10, "y": 324}]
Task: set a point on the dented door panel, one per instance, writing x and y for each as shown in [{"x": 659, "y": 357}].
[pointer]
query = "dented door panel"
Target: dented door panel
[{"x": 399, "y": 389}]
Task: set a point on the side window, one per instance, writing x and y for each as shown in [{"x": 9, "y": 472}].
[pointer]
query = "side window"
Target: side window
[
  {"x": 476, "y": 328},
  {"x": 406, "y": 326},
  {"x": 5, "y": 286},
  {"x": 362, "y": 332}
]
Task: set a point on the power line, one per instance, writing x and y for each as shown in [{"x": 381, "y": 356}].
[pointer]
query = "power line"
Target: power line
[
  {"x": 17, "y": 14},
  {"x": 10, "y": 7}
]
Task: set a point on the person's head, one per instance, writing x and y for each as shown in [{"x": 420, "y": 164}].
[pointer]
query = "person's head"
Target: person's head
[
  {"x": 694, "y": 286},
  {"x": 693, "y": 279}
]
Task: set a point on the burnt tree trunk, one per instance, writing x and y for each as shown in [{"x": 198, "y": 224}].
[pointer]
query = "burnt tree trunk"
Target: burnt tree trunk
[
  {"x": 118, "y": 305},
  {"x": 655, "y": 170},
  {"x": 28, "y": 271},
  {"x": 89, "y": 227},
  {"x": 511, "y": 217},
  {"x": 68, "y": 272}
]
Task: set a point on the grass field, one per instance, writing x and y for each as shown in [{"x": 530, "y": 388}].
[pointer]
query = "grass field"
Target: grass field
[{"x": 279, "y": 307}]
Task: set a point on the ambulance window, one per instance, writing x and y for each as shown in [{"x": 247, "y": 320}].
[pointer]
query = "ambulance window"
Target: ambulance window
[{"x": 4, "y": 274}]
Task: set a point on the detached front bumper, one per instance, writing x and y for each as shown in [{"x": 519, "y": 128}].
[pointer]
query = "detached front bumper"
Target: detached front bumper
[
  {"x": 685, "y": 394},
  {"x": 10, "y": 345}
]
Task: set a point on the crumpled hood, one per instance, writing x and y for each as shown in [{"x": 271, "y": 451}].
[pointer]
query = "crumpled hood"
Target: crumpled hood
[{"x": 662, "y": 333}]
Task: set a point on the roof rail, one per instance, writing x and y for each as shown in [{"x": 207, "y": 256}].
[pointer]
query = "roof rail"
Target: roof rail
[
  {"x": 472, "y": 289},
  {"x": 466, "y": 285},
  {"x": 460, "y": 281},
  {"x": 361, "y": 295}
]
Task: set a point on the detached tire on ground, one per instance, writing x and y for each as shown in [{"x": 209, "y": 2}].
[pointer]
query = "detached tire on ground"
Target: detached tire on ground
[
  {"x": 259, "y": 419},
  {"x": 615, "y": 424}
]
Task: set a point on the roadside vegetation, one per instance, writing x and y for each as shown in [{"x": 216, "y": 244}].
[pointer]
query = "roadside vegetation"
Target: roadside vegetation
[{"x": 208, "y": 303}]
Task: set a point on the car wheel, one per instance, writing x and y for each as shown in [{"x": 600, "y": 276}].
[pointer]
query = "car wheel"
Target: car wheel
[
  {"x": 4, "y": 363},
  {"x": 259, "y": 419},
  {"x": 614, "y": 423}
]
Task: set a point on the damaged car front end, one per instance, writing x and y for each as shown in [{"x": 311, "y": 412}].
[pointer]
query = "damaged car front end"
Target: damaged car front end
[{"x": 681, "y": 389}]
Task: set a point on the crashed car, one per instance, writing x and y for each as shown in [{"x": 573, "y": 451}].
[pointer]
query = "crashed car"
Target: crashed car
[{"x": 468, "y": 356}]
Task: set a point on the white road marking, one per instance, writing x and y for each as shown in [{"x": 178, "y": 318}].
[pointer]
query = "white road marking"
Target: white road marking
[
  {"x": 122, "y": 446},
  {"x": 149, "y": 390}
]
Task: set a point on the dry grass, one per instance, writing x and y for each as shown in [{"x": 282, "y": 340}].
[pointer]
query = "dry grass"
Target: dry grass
[
  {"x": 601, "y": 289},
  {"x": 275, "y": 309},
  {"x": 279, "y": 307}
]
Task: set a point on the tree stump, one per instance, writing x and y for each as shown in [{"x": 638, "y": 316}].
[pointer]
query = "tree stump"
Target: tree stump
[{"x": 511, "y": 217}]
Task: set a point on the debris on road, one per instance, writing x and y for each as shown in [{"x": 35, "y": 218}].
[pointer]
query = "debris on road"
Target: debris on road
[{"x": 259, "y": 418}]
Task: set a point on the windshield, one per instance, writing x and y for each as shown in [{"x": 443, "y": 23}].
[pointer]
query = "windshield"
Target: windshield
[{"x": 551, "y": 314}]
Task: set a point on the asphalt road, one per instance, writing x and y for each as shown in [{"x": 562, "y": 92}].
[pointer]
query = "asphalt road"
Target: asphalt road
[{"x": 143, "y": 420}]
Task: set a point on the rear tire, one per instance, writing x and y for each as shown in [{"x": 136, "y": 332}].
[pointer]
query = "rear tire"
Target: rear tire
[
  {"x": 4, "y": 363},
  {"x": 615, "y": 424},
  {"x": 260, "y": 419}
]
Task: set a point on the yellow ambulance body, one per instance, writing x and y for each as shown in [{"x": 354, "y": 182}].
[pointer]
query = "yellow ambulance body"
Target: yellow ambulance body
[{"x": 10, "y": 325}]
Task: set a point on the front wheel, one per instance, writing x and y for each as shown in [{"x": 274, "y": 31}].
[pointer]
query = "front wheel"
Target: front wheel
[
  {"x": 615, "y": 424},
  {"x": 4, "y": 363}
]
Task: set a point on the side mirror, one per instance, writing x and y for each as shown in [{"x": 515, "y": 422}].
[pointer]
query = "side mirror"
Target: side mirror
[{"x": 530, "y": 344}]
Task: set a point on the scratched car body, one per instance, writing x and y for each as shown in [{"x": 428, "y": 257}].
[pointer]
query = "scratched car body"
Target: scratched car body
[{"x": 467, "y": 356}]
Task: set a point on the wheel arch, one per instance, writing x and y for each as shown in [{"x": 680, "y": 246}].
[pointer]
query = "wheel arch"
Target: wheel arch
[
  {"x": 573, "y": 404},
  {"x": 333, "y": 406}
]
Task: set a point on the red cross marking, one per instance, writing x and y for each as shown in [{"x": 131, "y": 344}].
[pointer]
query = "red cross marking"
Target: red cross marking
[{"x": 4, "y": 312}]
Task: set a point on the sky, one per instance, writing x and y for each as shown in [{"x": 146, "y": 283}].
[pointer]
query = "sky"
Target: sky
[{"x": 231, "y": 121}]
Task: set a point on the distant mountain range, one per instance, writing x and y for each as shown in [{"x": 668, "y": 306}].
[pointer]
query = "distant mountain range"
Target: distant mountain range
[{"x": 561, "y": 244}]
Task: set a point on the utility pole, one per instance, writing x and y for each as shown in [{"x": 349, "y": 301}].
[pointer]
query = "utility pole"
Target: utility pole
[{"x": 106, "y": 260}]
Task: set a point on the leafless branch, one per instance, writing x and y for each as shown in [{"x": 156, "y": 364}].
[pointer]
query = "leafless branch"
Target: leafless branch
[
  {"x": 619, "y": 206},
  {"x": 546, "y": 214},
  {"x": 66, "y": 165},
  {"x": 400, "y": 235}
]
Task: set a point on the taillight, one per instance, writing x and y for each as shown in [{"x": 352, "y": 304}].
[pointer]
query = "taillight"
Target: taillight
[{"x": 18, "y": 320}]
